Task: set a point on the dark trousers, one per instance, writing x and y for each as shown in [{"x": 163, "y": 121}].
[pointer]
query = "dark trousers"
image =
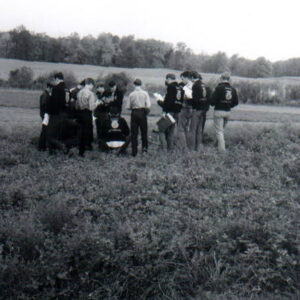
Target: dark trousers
[
  {"x": 85, "y": 120},
  {"x": 139, "y": 121},
  {"x": 53, "y": 132},
  {"x": 43, "y": 139},
  {"x": 101, "y": 118}
]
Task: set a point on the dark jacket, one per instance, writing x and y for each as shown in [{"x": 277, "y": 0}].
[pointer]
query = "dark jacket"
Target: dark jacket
[
  {"x": 173, "y": 99},
  {"x": 57, "y": 101},
  {"x": 44, "y": 99},
  {"x": 201, "y": 95},
  {"x": 102, "y": 107},
  {"x": 224, "y": 97},
  {"x": 114, "y": 129},
  {"x": 117, "y": 98}
]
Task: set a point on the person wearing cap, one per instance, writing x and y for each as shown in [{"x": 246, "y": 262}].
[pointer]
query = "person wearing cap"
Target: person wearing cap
[
  {"x": 86, "y": 103},
  {"x": 139, "y": 104},
  {"x": 56, "y": 112},
  {"x": 224, "y": 98},
  {"x": 171, "y": 104},
  {"x": 114, "y": 134},
  {"x": 114, "y": 96},
  {"x": 200, "y": 105},
  {"x": 44, "y": 98},
  {"x": 185, "y": 116}
]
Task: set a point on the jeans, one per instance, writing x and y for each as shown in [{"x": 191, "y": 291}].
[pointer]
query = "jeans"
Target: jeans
[
  {"x": 220, "y": 120},
  {"x": 85, "y": 121},
  {"x": 184, "y": 122},
  {"x": 197, "y": 128},
  {"x": 168, "y": 136}
]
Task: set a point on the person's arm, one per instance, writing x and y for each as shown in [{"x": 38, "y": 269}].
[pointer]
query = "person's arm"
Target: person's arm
[
  {"x": 92, "y": 101},
  {"x": 214, "y": 97},
  {"x": 129, "y": 102},
  {"x": 235, "y": 99},
  {"x": 147, "y": 102}
]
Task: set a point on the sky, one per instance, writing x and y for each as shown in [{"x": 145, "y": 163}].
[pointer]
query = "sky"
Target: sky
[{"x": 250, "y": 29}]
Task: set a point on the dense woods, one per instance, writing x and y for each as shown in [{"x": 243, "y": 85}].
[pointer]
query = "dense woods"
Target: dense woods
[{"x": 111, "y": 50}]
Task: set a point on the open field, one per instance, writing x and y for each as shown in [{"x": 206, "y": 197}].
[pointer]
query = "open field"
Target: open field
[
  {"x": 148, "y": 76},
  {"x": 160, "y": 226}
]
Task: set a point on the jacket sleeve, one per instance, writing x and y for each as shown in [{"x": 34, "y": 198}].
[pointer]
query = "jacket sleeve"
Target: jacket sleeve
[
  {"x": 214, "y": 97},
  {"x": 235, "y": 99}
]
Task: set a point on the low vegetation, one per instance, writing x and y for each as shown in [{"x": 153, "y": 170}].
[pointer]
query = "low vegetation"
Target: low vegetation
[{"x": 160, "y": 226}]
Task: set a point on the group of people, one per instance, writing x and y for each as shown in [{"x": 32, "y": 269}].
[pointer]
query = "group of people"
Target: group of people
[{"x": 67, "y": 115}]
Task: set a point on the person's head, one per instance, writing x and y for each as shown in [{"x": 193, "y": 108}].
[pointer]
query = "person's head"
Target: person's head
[
  {"x": 49, "y": 87},
  {"x": 81, "y": 84},
  {"x": 195, "y": 76},
  {"x": 114, "y": 111},
  {"x": 89, "y": 83},
  {"x": 186, "y": 77},
  {"x": 170, "y": 78},
  {"x": 57, "y": 78},
  {"x": 225, "y": 77},
  {"x": 100, "y": 88},
  {"x": 112, "y": 86},
  {"x": 137, "y": 82}
]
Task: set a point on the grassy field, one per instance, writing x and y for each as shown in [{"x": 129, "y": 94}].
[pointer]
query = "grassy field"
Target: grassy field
[
  {"x": 159, "y": 226},
  {"x": 148, "y": 76},
  {"x": 193, "y": 225}
]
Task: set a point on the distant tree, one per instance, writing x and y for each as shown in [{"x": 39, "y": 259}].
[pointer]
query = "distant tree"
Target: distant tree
[
  {"x": 21, "y": 78},
  {"x": 261, "y": 67},
  {"x": 21, "y": 43}
]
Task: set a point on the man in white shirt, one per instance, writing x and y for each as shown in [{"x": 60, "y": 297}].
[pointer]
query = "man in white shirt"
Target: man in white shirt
[{"x": 139, "y": 104}]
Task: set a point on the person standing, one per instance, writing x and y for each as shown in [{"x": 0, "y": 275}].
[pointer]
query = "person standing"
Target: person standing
[
  {"x": 139, "y": 104},
  {"x": 172, "y": 105},
  {"x": 44, "y": 98},
  {"x": 56, "y": 110},
  {"x": 224, "y": 98},
  {"x": 200, "y": 105},
  {"x": 114, "y": 96},
  {"x": 86, "y": 103},
  {"x": 102, "y": 110},
  {"x": 185, "y": 116}
]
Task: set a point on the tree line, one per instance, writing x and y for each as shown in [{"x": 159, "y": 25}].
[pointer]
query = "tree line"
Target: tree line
[{"x": 111, "y": 50}]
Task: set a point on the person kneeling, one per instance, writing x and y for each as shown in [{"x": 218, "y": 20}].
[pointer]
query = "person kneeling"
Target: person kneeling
[{"x": 115, "y": 133}]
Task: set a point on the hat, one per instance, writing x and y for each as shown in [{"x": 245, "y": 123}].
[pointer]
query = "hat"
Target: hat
[
  {"x": 225, "y": 76},
  {"x": 137, "y": 82}
]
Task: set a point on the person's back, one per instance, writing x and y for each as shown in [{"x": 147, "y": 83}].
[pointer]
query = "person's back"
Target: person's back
[
  {"x": 223, "y": 99},
  {"x": 139, "y": 104}
]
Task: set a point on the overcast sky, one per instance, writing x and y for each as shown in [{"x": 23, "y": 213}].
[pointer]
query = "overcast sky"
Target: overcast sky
[{"x": 249, "y": 28}]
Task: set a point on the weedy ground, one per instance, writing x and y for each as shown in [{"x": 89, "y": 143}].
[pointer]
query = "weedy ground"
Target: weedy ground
[{"x": 194, "y": 225}]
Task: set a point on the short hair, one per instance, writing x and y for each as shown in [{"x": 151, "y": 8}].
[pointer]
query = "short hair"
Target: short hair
[
  {"x": 100, "y": 84},
  {"x": 196, "y": 75},
  {"x": 186, "y": 74},
  {"x": 138, "y": 82},
  {"x": 89, "y": 81},
  {"x": 225, "y": 76},
  {"x": 114, "y": 110},
  {"x": 112, "y": 84},
  {"x": 59, "y": 75},
  {"x": 171, "y": 76}
]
